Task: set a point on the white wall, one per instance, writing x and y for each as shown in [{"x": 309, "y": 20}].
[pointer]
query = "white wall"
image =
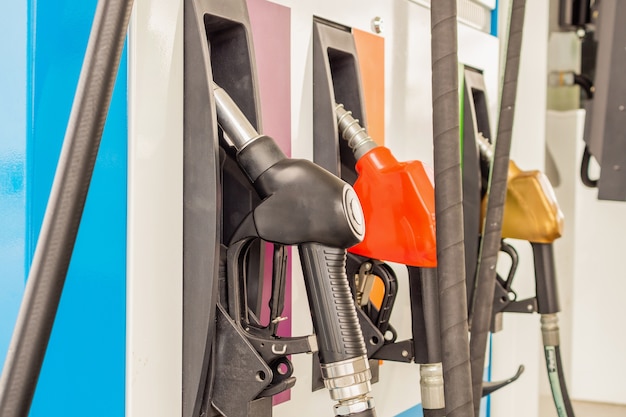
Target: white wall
[
  {"x": 589, "y": 258},
  {"x": 589, "y": 253},
  {"x": 155, "y": 196}
]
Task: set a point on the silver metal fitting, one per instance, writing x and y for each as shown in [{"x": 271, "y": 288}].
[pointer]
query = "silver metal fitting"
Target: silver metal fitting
[
  {"x": 350, "y": 129},
  {"x": 378, "y": 25},
  {"x": 348, "y": 380},
  {"x": 364, "y": 281},
  {"x": 550, "y": 330},
  {"x": 347, "y": 408},
  {"x": 431, "y": 384},
  {"x": 313, "y": 343},
  {"x": 353, "y": 211},
  {"x": 235, "y": 124},
  {"x": 485, "y": 148}
]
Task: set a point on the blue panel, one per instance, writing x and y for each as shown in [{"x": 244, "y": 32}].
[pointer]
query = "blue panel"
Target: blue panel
[
  {"x": 494, "y": 19},
  {"x": 12, "y": 164},
  {"x": 416, "y": 411},
  {"x": 84, "y": 368}
]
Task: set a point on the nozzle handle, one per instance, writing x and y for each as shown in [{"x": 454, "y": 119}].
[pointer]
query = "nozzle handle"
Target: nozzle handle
[
  {"x": 336, "y": 324},
  {"x": 342, "y": 352}
]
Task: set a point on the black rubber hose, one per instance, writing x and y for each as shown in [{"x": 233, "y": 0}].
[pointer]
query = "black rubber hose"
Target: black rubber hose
[
  {"x": 433, "y": 332},
  {"x": 546, "y": 286},
  {"x": 439, "y": 412},
  {"x": 430, "y": 302},
  {"x": 449, "y": 210},
  {"x": 548, "y": 307},
  {"x": 424, "y": 294},
  {"x": 492, "y": 229},
  {"x": 585, "y": 83},
  {"x": 554, "y": 365},
  {"x": 65, "y": 208}
]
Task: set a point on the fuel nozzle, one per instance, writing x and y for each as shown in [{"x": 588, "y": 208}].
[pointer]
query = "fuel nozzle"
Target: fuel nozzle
[
  {"x": 398, "y": 200},
  {"x": 305, "y": 205},
  {"x": 531, "y": 211}
]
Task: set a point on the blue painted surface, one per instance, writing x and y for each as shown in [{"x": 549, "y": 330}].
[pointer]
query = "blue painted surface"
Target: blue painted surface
[
  {"x": 494, "y": 19},
  {"x": 487, "y": 401},
  {"x": 416, "y": 411},
  {"x": 84, "y": 369},
  {"x": 12, "y": 164}
]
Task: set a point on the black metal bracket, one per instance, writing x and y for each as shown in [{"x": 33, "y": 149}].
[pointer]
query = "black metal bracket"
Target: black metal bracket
[
  {"x": 492, "y": 386},
  {"x": 237, "y": 364},
  {"x": 273, "y": 349},
  {"x": 397, "y": 352},
  {"x": 545, "y": 300},
  {"x": 383, "y": 345}
]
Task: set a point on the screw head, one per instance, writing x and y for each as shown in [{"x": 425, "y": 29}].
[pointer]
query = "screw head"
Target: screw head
[{"x": 378, "y": 25}]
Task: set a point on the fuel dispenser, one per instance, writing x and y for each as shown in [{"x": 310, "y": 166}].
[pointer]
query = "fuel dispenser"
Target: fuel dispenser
[
  {"x": 398, "y": 203},
  {"x": 271, "y": 198},
  {"x": 531, "y": 213}
]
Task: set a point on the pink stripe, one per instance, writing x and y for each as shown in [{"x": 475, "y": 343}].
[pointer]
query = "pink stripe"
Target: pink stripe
[{"x": 271, "y": 25}]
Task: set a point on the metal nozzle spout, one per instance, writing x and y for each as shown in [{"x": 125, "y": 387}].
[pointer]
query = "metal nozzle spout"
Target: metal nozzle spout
[
  {"x": 486, "y": 148},
  {"x": 234, "y": 123},
  {"x": 350, "y": 129}
]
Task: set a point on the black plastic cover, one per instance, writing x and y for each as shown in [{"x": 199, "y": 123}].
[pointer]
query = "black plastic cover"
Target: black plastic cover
[
  {"x": 336, "y": 79},
  {"x": 305, "y": 204}
]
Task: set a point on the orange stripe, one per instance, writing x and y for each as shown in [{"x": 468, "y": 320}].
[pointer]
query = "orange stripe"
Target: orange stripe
[
  {"x": 371, "y": 51},
  {"x": 378, "y": 293}
]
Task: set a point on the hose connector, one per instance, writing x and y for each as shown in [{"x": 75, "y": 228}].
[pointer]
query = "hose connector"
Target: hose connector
[
  {"x": 431, "y": 384},
  {"x": 356, "y": 135},
  {"x": 550, "y": 329},
  {"x": 349, "y": 382}
]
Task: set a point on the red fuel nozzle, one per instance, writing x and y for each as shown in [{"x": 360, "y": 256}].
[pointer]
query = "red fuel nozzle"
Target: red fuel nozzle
[{"x": 398, "y": 200}]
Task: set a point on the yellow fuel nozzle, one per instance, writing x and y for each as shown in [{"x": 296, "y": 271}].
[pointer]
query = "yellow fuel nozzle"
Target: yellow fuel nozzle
[{"x": 531, "y": 211}]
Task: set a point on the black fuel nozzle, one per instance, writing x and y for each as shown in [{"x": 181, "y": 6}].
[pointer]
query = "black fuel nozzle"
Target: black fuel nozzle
[{"x": 305, "y": 205}]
